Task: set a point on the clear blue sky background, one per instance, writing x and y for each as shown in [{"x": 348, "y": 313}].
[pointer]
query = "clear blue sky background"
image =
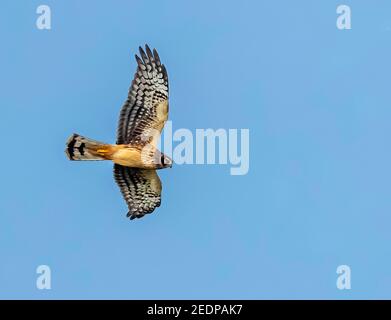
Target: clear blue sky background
[{"x": 317, "y": 101}]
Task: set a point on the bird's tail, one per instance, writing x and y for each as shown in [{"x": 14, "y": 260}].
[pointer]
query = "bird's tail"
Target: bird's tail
[{"x": 82, "y": 148}]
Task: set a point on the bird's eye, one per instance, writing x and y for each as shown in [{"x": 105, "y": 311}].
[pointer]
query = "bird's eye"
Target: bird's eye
[{"x": 162, "y": 160}]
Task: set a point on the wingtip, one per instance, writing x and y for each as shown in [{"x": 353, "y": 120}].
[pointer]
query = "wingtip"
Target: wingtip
[
  {"x": 149, "y": 53},
  {"x": 156, "y": 56},
  {"x": 142, "y": 53},
  {"x": 133, "y": 216},
  {"x": 138, "y": 59}
]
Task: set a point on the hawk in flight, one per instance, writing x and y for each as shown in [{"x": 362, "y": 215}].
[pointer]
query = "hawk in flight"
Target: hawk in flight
[{"x": 135, "y": 154}]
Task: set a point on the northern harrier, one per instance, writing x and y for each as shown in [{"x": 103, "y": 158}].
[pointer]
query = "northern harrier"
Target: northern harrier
[{"x": 135, "y": 155}]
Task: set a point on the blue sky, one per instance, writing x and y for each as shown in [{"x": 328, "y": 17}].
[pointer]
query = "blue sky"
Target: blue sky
[{"x": 315, "y": 99}]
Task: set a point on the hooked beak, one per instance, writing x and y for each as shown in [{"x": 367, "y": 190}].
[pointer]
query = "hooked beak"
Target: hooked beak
[{"x": 170, "y": 163}]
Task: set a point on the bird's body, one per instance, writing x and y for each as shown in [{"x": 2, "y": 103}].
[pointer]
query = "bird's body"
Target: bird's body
[
  {"x": 135, "y": 154},
  {"x": 128, "y": 155}
]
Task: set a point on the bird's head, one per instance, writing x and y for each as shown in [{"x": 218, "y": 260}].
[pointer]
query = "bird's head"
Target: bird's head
[
  {"x": 165, "y": 161},
  {"x": 160, "y": 160}
]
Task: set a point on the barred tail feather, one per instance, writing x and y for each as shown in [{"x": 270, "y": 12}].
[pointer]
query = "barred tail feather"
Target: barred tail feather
[{"x": 82, "y": 148}]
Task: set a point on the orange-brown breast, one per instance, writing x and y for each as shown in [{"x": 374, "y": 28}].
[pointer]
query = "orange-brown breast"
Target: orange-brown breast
[
  {"x": 133, "y": 156},
  {"x": 129, "y": 156}
]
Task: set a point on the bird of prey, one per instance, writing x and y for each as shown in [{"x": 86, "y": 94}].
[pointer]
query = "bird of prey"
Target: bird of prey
[{"x": 135, "y": 154}]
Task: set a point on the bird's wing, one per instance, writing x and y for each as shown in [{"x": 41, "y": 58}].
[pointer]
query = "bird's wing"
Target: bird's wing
[
  {"x": 140, "y": 188},
  {"x": 145, "y": 111}
]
